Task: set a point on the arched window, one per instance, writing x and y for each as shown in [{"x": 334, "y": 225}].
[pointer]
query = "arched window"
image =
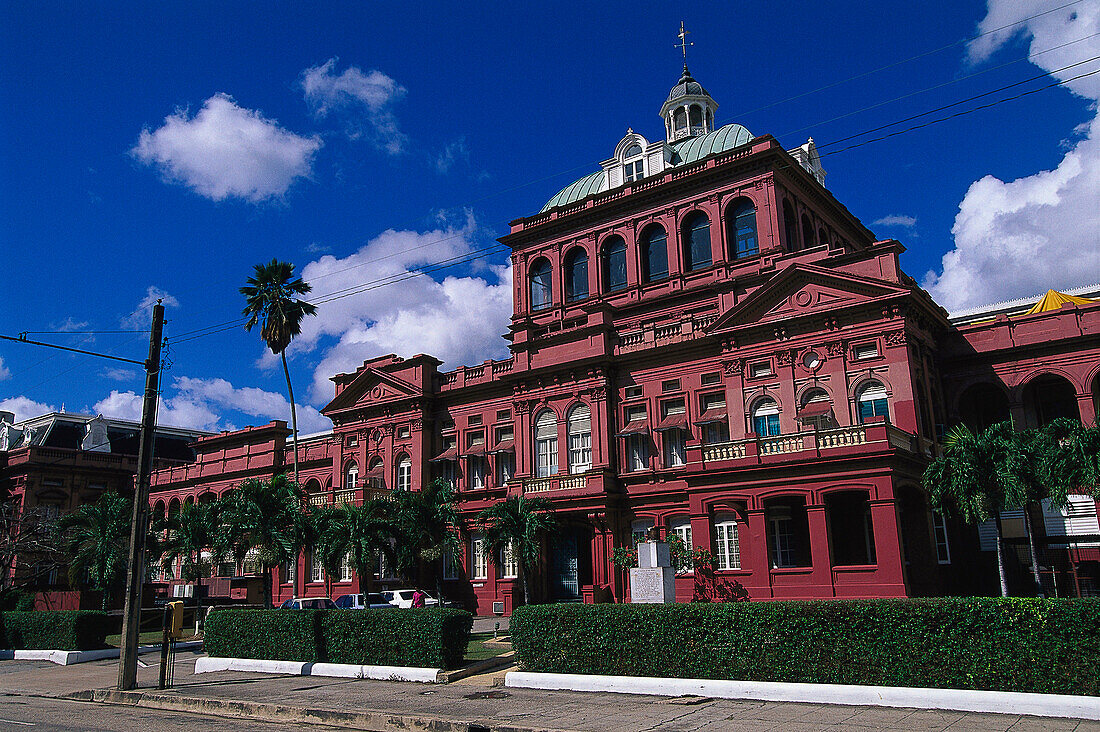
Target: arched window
[
  {"x": 741, "y": 228},
  {"x": 679, "y": 119},
  {"x": 696, "y": 238},
  {"x": 580, "y": 439},
  {"x": 632, "y": 152},
  {"x": 681, "y": 527},
  {"x": 817, "y": 410},
  {"x": 351, "y": 476},
  {"x": 695, "y": 115},
  {"x": 710, "y": 120},
  {"x": 540, "y": 285},
  {"x": 727, "y": 549},
  {"x": 576, "y": 274},
  {"x": 872, "y": 402},
  {"x": 654, "y": 248},
  {"x": 404, "y": 473},
  {"x": 546, "y": 444},
  {"x": 614, "y": 264},
  {"x": 790, "y": 228},
  {"x": 765, "y": 418},
  {"x": 807, "y": 232}
]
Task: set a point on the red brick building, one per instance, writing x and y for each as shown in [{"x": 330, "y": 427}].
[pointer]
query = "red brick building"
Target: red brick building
[{"x": 705, "y": 340}]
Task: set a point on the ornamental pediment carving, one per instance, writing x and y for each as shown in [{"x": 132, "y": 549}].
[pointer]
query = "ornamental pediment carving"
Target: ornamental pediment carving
[{"x": 372, "y": 388}]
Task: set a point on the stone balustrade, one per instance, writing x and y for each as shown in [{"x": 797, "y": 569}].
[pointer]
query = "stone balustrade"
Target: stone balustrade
[
  {"x": 812, "y": 444},
  {"x": 554, "y": 483}
]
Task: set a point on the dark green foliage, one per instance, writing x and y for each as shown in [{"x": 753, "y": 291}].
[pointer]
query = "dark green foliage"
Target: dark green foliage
[
  {"x": 433, "y": 638},
  {"x": 273, "y": 635},
  {"x": 62, "y": 630},
  {"x": 16, "y": 600},
  {"x": 1017, "y": 644},
  {"x": 426, "y": 637}
]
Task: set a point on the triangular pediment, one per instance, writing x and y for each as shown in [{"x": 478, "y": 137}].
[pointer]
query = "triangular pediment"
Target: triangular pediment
[
  {"x": 371, "y": 387},
  {"x": 802, "y": 290}
]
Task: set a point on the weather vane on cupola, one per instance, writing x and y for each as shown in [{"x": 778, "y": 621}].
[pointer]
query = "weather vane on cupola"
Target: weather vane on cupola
[{"x": 684, "y": 43}]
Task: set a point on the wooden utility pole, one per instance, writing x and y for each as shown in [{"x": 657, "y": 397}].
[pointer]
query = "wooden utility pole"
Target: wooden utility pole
[{"x": 135, "y": 574}]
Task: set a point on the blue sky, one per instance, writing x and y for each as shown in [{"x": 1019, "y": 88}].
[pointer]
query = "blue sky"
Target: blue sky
[{"x": 162, "y": 151}]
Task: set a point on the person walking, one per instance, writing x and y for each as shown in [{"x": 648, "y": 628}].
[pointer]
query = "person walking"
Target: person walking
[{"x": 418, "y": 598}]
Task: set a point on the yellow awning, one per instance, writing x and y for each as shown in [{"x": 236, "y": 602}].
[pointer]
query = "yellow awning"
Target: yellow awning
[{"x": 1054, "y": 300}]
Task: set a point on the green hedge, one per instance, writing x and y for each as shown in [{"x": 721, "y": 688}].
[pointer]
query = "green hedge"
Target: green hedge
[
  {"x": 434, "y": 638},
  {"x": 64, "y": 630},
  {"x": 1015, "y": 644}
]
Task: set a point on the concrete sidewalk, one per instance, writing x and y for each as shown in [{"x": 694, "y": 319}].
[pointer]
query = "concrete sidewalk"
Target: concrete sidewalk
[{"x": 474, "y": 704}]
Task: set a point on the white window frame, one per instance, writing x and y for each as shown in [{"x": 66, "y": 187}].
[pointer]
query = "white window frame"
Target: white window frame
[
  {"x": 290, "y": 569},
  {"x": 479, "y": 559},
  {"x": 783, "y": 537},
  {"x": 727, "y": 545},
  {"x": 345, "y": 568},
  {"x": 351, "y": 476},
  {"x": 675, "y": 448},
  {"x": 475, "y": 472},
  {"x": 505, "y": 467},
  {"x": 546, "y": 446},
  {"x": 317, "y": 572},
  {"x": 682, "y": 528},
  {"x": 637, "y": 452},
  {"x": 510, "y": 561},
  {"x": 404, "y": 474}
]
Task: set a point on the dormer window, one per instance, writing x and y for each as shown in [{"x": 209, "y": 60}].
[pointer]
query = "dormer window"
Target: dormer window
[{"x": 633, "y": 171}]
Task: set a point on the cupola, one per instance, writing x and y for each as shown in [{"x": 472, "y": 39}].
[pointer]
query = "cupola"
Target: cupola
[{"x": 689, "y": 109}]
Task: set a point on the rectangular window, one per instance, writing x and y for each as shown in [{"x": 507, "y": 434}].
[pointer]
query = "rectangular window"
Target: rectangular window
[
  {"x": 474, "y": 419},
  {"x": 506, "y": 467},
  {"x": 670, "y": 385},
  {"x": 683, "y": 530},
  {"x": 546, "y": 457},
  {"x": 865, "y": 350},
  {"x": 404, "y": 475},
  {"x": 289, "y": 570},
  {"x": 479, "y": 560},
  {"x": 943, "y": 549},
  {"x": 580, "y": 452},
  {"x": 727, "y": 552},
  {"x": 766, "y": 425},
  {"x": 715, "y": 433},
  {"x": 632, "y": 171},
  {"x": 673, "y": 441},
  {"x": 632, "y": 392},
  {"x": 640, "y": 529},
  {"x": 403, "y": 432},
  {"x": 711, "y": 379},
  {"x": 475, "y": 473},
  {"x": 635, "y": 413},
  {"x": 345, "y": 569},
  {"x": 505, "y": 434},
  {"x": 317, "y": 572},
  {"x": 783, "y": 540},
  {"x": 353, "y": 440},
  {"x": 503, "y": 414},
  {"x": 511, "y": 561},
  {"x": 760, "y": 369},
  {"x": 637, "y": 452},
  {"x": 474, "y": 439}
]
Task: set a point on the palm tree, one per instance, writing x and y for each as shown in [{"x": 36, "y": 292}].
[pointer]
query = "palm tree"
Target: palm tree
[
  {"x": 188, "y": 533},
  {"x": 269, "y": 297},
  {"x": 1074, "y": 460},
  {"x": 518, "y": 524},
  {"x": 973, "y": 480},
  {"x": 97, "y": 538},
  {"x": 264, "y": 517},
  {"x": 427, "y": 524},
  {"x": 359, "y": 533}
]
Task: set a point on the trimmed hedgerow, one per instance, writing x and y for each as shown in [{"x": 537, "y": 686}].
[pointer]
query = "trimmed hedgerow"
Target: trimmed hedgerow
[
  {"x": 271, "y": 635},
  {"x": 63, "y": 630},
  {"x": 430, "y": 637},
  {"x": 1013, "y": 644}
]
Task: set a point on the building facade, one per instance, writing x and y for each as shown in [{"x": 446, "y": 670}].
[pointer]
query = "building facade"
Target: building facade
[{"x": 704, "y": 340}]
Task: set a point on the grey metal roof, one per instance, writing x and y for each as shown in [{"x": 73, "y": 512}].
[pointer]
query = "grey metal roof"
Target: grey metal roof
[{"x": 686, "y": 86}]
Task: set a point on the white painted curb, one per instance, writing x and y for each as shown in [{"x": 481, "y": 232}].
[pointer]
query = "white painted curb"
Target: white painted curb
[
  {"x": 68, "y": 658},
  {"x": 338, "y": 670},
  {"x": 960, "y": 700}
]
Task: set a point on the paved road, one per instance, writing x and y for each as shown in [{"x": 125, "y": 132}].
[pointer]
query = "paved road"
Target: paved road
[{"x": 46, "y": 715}]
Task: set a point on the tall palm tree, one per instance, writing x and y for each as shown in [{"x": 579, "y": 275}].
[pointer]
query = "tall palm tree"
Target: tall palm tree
[
  {"x": 973, "y": 479},
  {"x": 428, "y": 525},
  {"x": 96, "y": 538},
  {"x": 188, "y": 533},
  {"x": 519, "y": 524},
  {"x": 264, "y": 517},
  {"x": 359, "y": 533},
  {"x": 1074, "y": 460},
  {"x": 269, "y": 297}
]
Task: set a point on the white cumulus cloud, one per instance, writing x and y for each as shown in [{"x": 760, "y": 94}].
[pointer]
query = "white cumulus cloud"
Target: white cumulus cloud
[
  {"x": 364, "y": 96},
  {"x": 141, "y": 318},
  {"x": 25, "y": 408},
  {"x": 202, "y": 404},
  {"x": 907, "y": 222},
  {"x": 457, "y": 319},
  {"x": 227, "y": 151},
  {"x": 1021, "y": 237}
]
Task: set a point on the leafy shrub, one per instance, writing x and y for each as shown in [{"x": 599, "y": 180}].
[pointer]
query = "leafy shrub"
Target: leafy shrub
[
  {"x": 1013, "y": 644},
  {"x": 430, "y": 637},
  {"x": 273, "y": 635},
  {"x": 64, "y": 630},
  {"x": 17, "y": 600}
]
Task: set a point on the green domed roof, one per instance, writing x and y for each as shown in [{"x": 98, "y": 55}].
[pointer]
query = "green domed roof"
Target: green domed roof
[
  {"x": 691, "y": 149},
  {"x": 684, "y": 151}
]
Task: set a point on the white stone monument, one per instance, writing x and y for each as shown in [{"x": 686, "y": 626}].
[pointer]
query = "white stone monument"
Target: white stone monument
[{"x": 653, "y": 580}]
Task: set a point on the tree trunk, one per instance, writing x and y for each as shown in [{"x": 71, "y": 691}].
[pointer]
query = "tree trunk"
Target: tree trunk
[
  {"x": 269, "y": 590},
  {"x": 1034, "y": 556},
  {"x": 439, "y": 579},
  {"x": 523, "y": 582},
  {"x": 293, "y": 414},
  {"x": 1000, "y": 557}
]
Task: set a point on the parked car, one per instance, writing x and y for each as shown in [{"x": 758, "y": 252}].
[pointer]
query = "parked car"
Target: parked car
[
  {"x": 404, "y": 598},
  {"x": 308, "y": 603},
  {"x": 359, "y": 601}
]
